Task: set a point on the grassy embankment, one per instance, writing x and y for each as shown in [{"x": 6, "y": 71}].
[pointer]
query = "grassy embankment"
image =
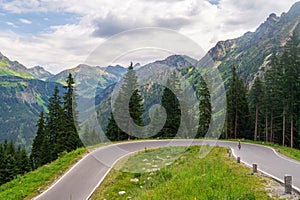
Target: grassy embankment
[
  {"x": 29, "y": 185},
  {"x": 214, "y": 177}
]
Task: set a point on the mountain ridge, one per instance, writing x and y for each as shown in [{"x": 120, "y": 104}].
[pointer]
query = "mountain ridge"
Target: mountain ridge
[{"x": 249, "y": 53}]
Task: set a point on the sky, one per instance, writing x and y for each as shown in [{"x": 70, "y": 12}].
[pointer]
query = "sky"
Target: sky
[{"x": 61, "y": 34}]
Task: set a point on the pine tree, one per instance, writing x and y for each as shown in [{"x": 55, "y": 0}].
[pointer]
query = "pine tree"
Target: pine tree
[
  {"x": 172, "y": 106},
  {"x": 129, "y": 87},
  {"x": 10, "y": 170},
  {"x": 290, "y": 61},
  {"x": 204, "y": 108},
  {"x": 68, "y": 138},
  {"x": 37, "y": 154},
  {"x": 8, "y": 165},
  {"x": 54, "y": 126},
  {"x": 273, "y": 98},
  {"x": 237, "y": 108},
  {"x": 23, "y": 165},
  {"x": 256, "y": 100},
  {"x": 113, "y": 132}
]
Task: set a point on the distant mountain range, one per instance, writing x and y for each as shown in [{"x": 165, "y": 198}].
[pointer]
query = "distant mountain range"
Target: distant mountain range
[
  {"x": 250, "y": 53},
  {"x": 25, "y": 92}
]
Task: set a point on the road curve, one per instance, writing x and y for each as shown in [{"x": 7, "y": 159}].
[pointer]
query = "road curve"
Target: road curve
[{"x": 84, "y": 177}]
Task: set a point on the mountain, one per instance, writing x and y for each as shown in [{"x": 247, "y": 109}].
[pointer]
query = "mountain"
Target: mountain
[
  {"x": 90, "y": 81},
  {"x": 151, "y": 92},
  {"x": 24, "y": 92},
  {"x": 250, "y": 53},
  {"x": 89, "y": 78},
  {"x": 21, "y": 101},
  {"x": 40, "y": 73},
  {"x": 13, "y": 68}
]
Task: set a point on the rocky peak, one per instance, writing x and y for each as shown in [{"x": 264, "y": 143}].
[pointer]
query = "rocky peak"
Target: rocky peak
[
  {"x": 40, "y": 73},
  {"x": 219, "y": 52},
  {"x": 268, "y": 24},
  {"x": 177, "y": 61},
  {"x": 272, "y": 18}
]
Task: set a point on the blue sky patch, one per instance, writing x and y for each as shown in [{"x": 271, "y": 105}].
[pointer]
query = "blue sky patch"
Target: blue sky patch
[
  {"x": 34, "y": 23},
  {"x": 214, "y": 2}
]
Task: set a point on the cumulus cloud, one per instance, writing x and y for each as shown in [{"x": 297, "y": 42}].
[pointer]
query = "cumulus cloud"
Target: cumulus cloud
[
  {"x": 65, "y": 46},
  {"x": 111, "y": 25}
]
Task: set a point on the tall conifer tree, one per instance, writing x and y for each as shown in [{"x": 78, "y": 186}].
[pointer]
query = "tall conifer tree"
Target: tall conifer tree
[{"x": 129, "y": 87}]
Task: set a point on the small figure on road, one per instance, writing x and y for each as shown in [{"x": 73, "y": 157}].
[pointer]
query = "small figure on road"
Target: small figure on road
[{"x": 239, "y": 144}]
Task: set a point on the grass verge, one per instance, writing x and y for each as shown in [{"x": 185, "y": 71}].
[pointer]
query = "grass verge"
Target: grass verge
[
  {"x": 29, "y": 185},
  {"x": 214, "y": 177}
]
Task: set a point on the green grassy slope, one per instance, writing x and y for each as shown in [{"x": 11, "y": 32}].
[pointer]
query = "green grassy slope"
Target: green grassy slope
[
  {"x": 29, "y": 185},
  {"x": 214, "y": 177}
]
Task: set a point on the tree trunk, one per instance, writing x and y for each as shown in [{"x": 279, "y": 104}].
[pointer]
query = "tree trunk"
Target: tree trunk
[
  {"x": 226, "y": 126},
  {"x": 235, "y": 124},
  {"x": 256, "y": 122},
  {"x": 292, "y": 131},
  {"x": 266, "y": 128},
  {"x": 271, "y": 127},
  {"x": 283, "y": 129}
]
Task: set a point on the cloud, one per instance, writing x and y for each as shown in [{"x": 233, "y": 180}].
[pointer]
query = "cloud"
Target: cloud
[
  {"x": 11, "y": 24},
  {"x": 61, "y": 48},
  {"x": 25, "y": 21},
  {"x": 67, "y": 45},
  {"x": 173, "y": 23},
  {"x": 110, "y": 25}
]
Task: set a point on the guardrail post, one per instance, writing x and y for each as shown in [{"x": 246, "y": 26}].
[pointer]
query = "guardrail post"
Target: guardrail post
[
  {"x": 254, "y": 168},
  {"x": 288, "y": 184},
  {"x": 238, "y": 159}
]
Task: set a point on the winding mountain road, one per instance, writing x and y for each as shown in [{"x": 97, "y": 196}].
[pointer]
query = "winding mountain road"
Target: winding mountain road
[{"x": 84, "y": 177}]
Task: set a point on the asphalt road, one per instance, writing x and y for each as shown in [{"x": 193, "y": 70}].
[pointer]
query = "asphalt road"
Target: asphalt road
[{"x": 84, "y": 177}]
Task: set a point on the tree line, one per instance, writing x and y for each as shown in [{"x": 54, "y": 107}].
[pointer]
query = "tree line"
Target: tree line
[
  {"x": 270, "y": 111},
  {"x": 13, "y": 161},
  {"x": 169, "y": 101},
  {"x": 56, "y": 131}
]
